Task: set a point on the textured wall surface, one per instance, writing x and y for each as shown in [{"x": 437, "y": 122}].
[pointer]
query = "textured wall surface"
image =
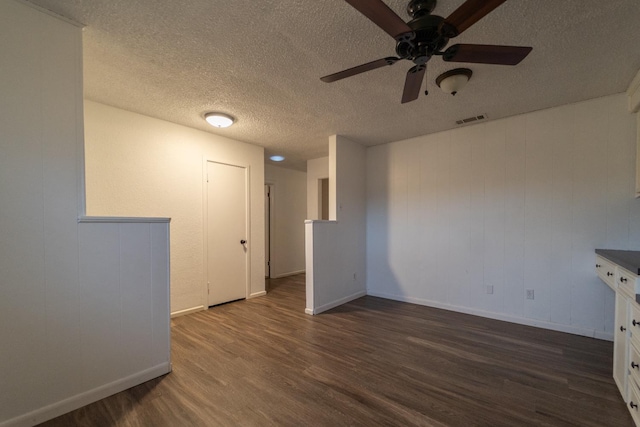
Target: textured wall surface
[
  {"x": 39, "y": 149},
  {"x": 140, "y": 166},
  {"x": 83, "y": 307},
  {"x": 515, "y": 204}
]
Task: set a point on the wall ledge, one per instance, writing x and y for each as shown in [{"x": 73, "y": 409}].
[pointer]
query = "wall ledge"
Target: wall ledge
[
  {"x": 123, "y": 219},
  {"x": 314, "y": 221}
]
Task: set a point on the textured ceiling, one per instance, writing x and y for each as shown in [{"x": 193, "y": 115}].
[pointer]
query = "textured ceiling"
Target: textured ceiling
[{"x": 261, "y": 61}]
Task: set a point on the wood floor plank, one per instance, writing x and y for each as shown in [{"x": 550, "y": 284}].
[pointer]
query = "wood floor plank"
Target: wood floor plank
[{"x": 263, "y": 362}]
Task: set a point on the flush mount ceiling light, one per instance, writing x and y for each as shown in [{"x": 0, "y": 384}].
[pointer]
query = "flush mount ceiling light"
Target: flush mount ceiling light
[
  {"x": 277, "y": 158},
  {"x": 219, "y": 120},
  {"x": 453, "y": 80}
]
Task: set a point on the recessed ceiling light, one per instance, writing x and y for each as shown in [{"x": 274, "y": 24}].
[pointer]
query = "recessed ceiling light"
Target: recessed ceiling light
[
  {"x": 219, "y": 120},
  {"x": 277, "y": 158}
]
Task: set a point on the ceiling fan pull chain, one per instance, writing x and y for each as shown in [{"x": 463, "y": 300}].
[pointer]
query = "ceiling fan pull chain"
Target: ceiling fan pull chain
[{"x": 426, "y": 82}]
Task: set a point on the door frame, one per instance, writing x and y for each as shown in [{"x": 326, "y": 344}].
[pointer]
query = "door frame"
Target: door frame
[
  {"x": 269, "y": 227},
  {"x": 205, "y": 227}
]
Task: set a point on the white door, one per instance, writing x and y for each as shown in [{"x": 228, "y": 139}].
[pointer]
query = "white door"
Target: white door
[{"x": 226, "y": 232}]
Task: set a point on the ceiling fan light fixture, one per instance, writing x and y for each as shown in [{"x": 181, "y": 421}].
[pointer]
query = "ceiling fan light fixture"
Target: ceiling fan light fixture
[
  {"x": 453, "y": 80},
  {"x": 219, "y": 120}
]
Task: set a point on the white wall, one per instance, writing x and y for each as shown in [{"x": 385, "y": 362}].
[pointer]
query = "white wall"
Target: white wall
[
  {"x": 335, "y": 249},
  {"x": 289, "y": 204},
  {"x": 316, "y": 169},
  {"x": 516, "y": 204},
  {"x": 83, "y": 307},
  {"x": 141, "y": 166}
]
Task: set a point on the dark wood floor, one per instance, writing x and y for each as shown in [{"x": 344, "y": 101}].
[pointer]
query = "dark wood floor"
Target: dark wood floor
[{"x": 371, "y": 362}]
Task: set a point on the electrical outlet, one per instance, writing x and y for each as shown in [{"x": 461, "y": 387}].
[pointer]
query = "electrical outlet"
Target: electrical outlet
[
  {"x": 530, "y": 294},
  {"x": 489, "y": 289}
]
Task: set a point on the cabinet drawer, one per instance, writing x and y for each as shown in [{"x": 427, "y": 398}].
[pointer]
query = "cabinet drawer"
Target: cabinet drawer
[
  {"x": 626, "y": 282},
  {"x": 606, "y": 271},
  {"x": 634, "y": 403},
  {"x": 634, "y": 365},
  {"x": 634, "y": 324}
]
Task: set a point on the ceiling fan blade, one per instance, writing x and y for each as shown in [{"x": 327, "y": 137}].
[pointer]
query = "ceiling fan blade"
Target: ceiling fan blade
[
  {"x": 359, "y": 69},
  {"x": 466, "y": 15},
  {"x": 413, "y": 83},
  {"x": 381, "y": 15},
  {"x": 486, "y": 54}
]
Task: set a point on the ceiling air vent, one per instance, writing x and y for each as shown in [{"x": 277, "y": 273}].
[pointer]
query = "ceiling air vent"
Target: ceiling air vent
[{"x": 471, "y": 119}]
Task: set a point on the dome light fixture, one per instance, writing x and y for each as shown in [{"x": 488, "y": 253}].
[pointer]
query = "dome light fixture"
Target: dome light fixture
[
  {"x": 219, "y": 120},
  {"x": 277, "y": 158},
  {"x": 453, "y": 80}
]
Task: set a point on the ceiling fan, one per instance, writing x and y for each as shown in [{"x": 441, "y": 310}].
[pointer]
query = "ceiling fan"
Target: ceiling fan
[{"x": 426, "y": 35}]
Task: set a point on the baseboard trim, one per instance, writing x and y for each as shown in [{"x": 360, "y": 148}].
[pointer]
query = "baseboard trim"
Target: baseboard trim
[
  {"x": 335, "y": 303},
  {"x": 72, "y": 403},
  {"x": 575, "y": 330},
  {"x": 188, "y": 311},
  {"x": 257, "y": 294},
  {"x": 308, "y": 311},
  {"x": 292, "y": 273}
]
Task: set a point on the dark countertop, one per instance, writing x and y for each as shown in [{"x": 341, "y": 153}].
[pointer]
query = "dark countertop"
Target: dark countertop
[{"x": 625, "y": 259}]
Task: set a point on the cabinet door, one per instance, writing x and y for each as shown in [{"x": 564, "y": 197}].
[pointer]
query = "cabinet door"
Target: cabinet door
[{"x": 620, "y": 344}]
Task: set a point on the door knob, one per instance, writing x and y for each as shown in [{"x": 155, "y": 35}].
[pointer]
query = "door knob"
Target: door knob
[{"x": 242, "y": 242}]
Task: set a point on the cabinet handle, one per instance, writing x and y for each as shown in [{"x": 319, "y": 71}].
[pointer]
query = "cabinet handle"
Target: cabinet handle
[
  {"x": 623, "y": 279},
  {"x": 609, "y": 273},
  {"x": 634, "y": 365},
  {"x": 634, "y": 323},
  {"x": 633, "y": 405},
  {"x": 598, "y": 266},
  {"x": 622, "y": 329}
]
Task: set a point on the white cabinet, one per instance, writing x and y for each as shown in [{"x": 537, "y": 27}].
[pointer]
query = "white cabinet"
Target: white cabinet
[
  {"x": 621, "y": 343},
  {"x": 626, "y": 339}
]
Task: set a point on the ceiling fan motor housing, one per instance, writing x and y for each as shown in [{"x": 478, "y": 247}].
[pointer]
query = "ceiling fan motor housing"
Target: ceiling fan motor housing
[
  {"x": 427, "y": 40},
  {"x": 418, "y": 8}
]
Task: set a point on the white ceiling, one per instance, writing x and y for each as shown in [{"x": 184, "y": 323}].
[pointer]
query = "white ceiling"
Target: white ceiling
[{"x": 261, "y": 61}]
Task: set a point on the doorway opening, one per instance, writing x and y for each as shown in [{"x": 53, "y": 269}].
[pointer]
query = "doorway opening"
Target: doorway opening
[{"x": 323, "y": 198}]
